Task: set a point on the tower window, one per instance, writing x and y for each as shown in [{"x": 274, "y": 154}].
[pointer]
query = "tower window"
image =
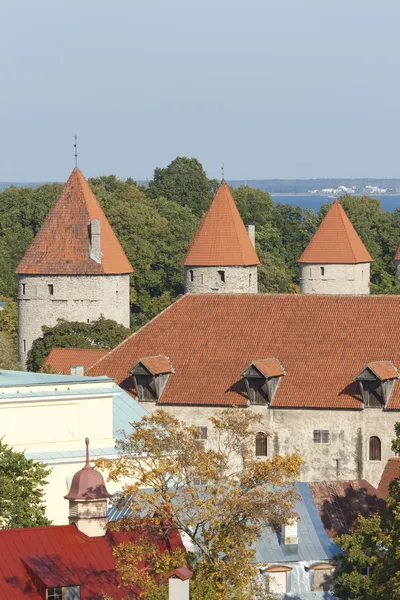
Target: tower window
[
  {"x": 261, "y": 444},
  {"x": 322, "y": 271},
  {"x": 374, "y": 448},
  {"x": 250, "y": 280},
  {"x": 51, "y": 289},
  {"x": 24, "y": 345},
  {"x": 23, "y": 288},
  {"x": 191, "y": 275},
  {"x": 221, "y": 275}
]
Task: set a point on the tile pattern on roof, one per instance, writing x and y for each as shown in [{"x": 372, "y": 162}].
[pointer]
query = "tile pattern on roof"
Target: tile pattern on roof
[
  {"x": 89, "y": 559},
  {"x": 62, "y": 246},
  {"x": 62, "y": 359},
  {"x": 222, "y": 239},
  {"x": 335, "y": 241},
  {"x": 384, "y": 370},
  {"x": 270, "y": 367},
  {"x": 391, "y": 472},
  {"x": 157, "y": 364},
  {"x": 210, "y": 339},
  {"x": 354, "y": 497}
]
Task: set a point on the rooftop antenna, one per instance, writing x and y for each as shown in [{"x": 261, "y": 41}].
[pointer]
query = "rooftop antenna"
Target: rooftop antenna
[
  {"x": 76, "y": 150},
  {"x": 223, "y": 171}
]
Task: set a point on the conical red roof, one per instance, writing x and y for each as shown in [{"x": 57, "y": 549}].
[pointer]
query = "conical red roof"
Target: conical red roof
[
  {"x": 222, "y": 239},
  {"x": 335, "y": 241},
  {"x": 62, "y": 246}
]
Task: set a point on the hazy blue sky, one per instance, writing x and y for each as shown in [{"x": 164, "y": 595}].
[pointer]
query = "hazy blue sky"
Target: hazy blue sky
[{"x": 272, "y": 88}]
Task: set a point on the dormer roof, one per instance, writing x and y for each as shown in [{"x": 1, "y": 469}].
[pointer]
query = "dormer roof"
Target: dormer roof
[
  {"x": 157, "y": 365},
  {"x": 382, "y": 369},
  {"x": 62, "y": 246},
  {"x": 335, "y": 241},
  {"x": 222, "y": 239},
  {"x": 269, "y": 367}
]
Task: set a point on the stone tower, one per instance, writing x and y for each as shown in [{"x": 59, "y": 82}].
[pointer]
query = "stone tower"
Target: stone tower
[
  {"x": 335, "y": 261},
  {"x": 75, "y": 268},
  {"x": 88, "y": 500},
  {"x": 222, "y": 258}
]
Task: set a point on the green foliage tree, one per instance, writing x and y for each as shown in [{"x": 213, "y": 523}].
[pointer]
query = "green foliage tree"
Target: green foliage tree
[
  {"x": 102, "y": 333},
  {"x": 370, "y": 566},
  {"x": 8, "y": 355},
  {"x": 184, "y": 181},
  {"x": 21, "y": 485}
]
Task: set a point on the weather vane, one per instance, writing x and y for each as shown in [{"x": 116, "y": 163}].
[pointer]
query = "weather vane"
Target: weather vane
[
  {"x": 76, "y": 150},
  {"x": 223, "y": 171}
]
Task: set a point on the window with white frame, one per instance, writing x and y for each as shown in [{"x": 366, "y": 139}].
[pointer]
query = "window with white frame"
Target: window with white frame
[{"x": 278, "y": 580}]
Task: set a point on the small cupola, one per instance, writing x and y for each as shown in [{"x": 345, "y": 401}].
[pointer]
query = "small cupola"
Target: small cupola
[
  {"x": 376, "y": 383},
  {"x": 262, "y": 379},
  {"x": 88, "y": 499},
  {"x": 150, "y": 376}
]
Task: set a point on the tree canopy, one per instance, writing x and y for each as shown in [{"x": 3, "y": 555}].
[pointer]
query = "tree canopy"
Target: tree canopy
[
  {"x": 102, "y": 333},
  {"x": 218, "y": 497},
  {"x": 21, "y": 485},
  {"x": 370, "y": 566}
]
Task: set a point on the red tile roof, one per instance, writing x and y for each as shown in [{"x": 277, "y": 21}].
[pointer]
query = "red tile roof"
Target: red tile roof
[
  {"x": 222, "y": 239},
  {"x": 157, "y": 364},
  {"x": 321, "y": 341},
  {"x": 352, "y": 497},
  {"x": 384, "y": 370},
  {"x": 62, "y": 246},
  {"x": 62, "y": 359},
  {"x": 391, "y": 472},
  {"x": 270, "y": 367},
  {"x": 63, "y": 554},
  {"x": 335, "y": 241}
]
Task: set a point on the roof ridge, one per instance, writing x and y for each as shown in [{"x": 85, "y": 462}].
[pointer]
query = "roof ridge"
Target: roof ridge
[{"x": 343, "y": 217}]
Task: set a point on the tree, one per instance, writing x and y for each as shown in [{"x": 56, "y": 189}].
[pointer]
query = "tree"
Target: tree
[
  {"x": 370, "y": 566},
  {"x": 184, "y": 181},
  {"x": 103, "y": 333},
  {"x": 219, "y": 498},
  {"x": 8, "y": 355},
  {"x": 21, "y": 485}
]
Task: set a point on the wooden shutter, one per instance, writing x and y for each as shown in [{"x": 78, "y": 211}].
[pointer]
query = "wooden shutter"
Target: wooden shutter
[
  {"x": 374, "y": 448},
  {"x": 261, "y": 444}
]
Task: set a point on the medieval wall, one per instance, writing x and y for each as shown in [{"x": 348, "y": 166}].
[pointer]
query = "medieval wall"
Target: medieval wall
[
  {"x": 345, "y": 456},
  {"x": 42, "y": 300},
  {"x": 334, "y": 279},
  {"x": 206, "y": 280}
]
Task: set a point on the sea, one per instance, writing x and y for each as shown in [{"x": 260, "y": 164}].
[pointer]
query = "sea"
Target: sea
[{"x": 389, "y": 203}]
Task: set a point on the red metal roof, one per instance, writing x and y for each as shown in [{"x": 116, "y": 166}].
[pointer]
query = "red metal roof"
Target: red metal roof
[
  {"x": 335, "y": 241},
  {"x": 353, "y": 497},
  {"x": 62, "y": 246},
  {"x": 391, "y": 472},
  {"x": 75, "y": 557},
  {"x": 222, "y": 239},
  {"x": 62, "y": 359},
  {"x": 320, "y": 340}
]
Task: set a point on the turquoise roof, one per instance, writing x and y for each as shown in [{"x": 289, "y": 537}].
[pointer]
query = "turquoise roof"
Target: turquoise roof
[{"x": 20, "y": 378}]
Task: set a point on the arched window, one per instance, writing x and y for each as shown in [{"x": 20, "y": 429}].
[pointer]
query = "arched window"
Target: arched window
[
  {"x": 261, "y": 444},
  {"x": 374, "y": 448}
]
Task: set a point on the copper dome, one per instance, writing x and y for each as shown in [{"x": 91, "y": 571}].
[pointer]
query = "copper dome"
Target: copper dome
[{"x": 87, "y": 484}]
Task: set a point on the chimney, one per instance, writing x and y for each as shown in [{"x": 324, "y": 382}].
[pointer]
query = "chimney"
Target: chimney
[
  {"x": 251, "y": 230},
  {"x": 289, "y": 533},
  {"x": 179, "y": 583},
  {"x": 77, "y": 371},
  {"x": 95, "y": 250}
]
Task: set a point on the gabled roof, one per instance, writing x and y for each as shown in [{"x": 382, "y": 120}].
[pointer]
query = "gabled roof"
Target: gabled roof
[
  {"x": 335, "y": 241},
  {"x": 62, "y": 246},
  {"x": 64, "y": 554},
  {"x": 62, "y": 359},
  {"x": 210, "y": 339},
  {"x": 270, "y": 367},
  {"x": 222, "y": 239},
  {"x": 382, "y": 369},
  {"x": 157, "y": 365},
  {"x": 391, "y": 472}
]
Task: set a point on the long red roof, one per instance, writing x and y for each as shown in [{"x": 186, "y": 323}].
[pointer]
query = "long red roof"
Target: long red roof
[
  {"x": 62, "y": 553},
  {"x": 62, "y": 359},
  {"x": 222, "y": 239},
  {"x": 62, "y": 246},
  {"x": 335, "y": 241},
  {"x": 322, "y": 343}
]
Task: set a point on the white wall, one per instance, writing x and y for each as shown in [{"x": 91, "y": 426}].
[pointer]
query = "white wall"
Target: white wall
[
  {"x": 334, "y": 279},
  {"x": 238, "y": 280}
]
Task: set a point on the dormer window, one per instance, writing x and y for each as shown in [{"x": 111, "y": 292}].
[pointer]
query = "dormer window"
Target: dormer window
[
  {"x": 150, "y": 376},
  {"x": 262, "y": 379},
  {"x": 376, "y": 382}
]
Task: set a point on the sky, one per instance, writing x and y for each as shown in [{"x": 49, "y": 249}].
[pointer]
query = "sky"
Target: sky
[{"x": 271, "y": 88}]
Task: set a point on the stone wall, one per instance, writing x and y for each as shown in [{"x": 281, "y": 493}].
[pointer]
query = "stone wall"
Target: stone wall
[
  {"x": 206, "y": 280},
  {"x": 345, "y": 456},
  {"x": 81, "y": 298},
  {"x": 334, "y": 279}
]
